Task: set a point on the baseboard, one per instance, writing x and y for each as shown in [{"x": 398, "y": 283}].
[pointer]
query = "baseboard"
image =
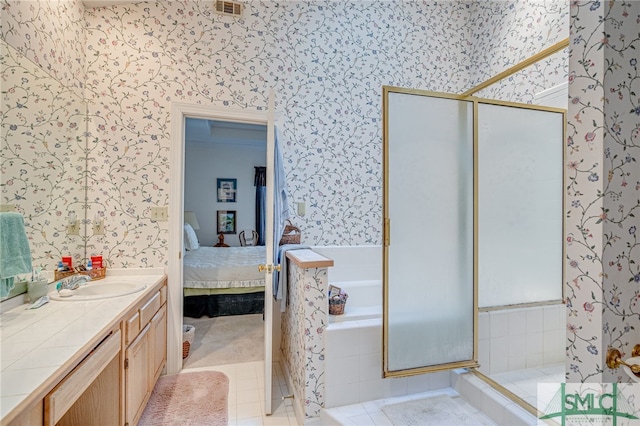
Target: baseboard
[{"x": 298, "y": 403}]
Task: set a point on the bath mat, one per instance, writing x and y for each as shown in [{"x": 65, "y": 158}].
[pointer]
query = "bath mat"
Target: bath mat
[
  {"x": 196, "y": 398},
  {"x": 442, "y": 410}
]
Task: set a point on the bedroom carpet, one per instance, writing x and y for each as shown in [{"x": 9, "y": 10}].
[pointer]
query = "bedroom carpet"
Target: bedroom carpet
[
  {"x": 225, "y": 340},
  {"x": 197, "y": 398}
]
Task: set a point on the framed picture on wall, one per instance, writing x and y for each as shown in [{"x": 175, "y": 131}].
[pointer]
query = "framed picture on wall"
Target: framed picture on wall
[
  {"x": 226, "y": 221},
  {"x": 227, "y": 190}
]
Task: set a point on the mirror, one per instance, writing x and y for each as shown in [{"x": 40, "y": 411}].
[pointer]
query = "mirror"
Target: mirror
[{"x": 43, "y": 154}]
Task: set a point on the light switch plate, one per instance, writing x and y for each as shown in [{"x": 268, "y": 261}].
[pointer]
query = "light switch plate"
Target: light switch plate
[
  {"x": 98, "y": 228},
  {"x": 301, "y": 208},
  {"x": 160, "y": 214},
  {"x": 73, "y": 229}
]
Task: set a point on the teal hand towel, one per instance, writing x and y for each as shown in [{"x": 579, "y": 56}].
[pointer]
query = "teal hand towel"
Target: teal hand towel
[{"x": 15, "y": 255}]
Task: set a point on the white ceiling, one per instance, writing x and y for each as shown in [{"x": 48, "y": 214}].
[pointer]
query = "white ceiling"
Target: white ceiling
[{"x": 199, "y": 131}]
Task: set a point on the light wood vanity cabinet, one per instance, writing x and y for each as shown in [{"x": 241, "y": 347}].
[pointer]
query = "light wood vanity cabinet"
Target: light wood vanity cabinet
[
  {"x": 158, "y": 343},
  {"x": 137, "y": 377},
  {"x": 145, "y": 356},
  {"x": 89, "y": 395},
  {"x": 113, "y": 381}
]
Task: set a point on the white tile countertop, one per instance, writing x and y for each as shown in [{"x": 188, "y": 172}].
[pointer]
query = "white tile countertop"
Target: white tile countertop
[{"x": 36, "y": 344}]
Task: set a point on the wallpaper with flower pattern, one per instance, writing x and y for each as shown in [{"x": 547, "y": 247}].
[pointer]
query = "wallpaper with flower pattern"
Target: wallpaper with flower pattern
[
  {"x": 507, "y": 32},
  {"x": 50, "y": 33},
  {"x": 603, "y": 188},
  {"x": 42, "y": 120},
  {"x": 303, "y": 326},
  {"x": 327, "y": 62}
]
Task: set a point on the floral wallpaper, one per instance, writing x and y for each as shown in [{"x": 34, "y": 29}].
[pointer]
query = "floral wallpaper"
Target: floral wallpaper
[
  {"x": 50, "y": 33},
  {"x": 43, "y": 122},
  {"x": 303, "y": 326},
  {"x": 42, "y": 156},
  {"x": 508, "y": 32},
  {"x": 327, "y": 62},
  {"x": 603, "y": 188}
]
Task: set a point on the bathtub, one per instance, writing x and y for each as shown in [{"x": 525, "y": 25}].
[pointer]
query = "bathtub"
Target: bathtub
[
  {"x": 364, "y": 301},
  {"x": 353, "y": 346},
  {"x": 353, "y": 352}
]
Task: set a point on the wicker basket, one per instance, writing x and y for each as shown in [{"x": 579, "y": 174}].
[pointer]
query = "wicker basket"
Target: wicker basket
[
  {"x": 188, "y": 333},
  {"x": 95, "y": 274},
  {"x": 185, "y": 349},
  {"x": 291, "y": 234},
  {"x": 337, "y": 303}
]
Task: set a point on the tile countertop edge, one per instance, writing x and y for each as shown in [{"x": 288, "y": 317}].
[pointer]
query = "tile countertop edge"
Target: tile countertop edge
[
  {"x": 6, "y": 305},
  {"x": 18, "y": 403}
]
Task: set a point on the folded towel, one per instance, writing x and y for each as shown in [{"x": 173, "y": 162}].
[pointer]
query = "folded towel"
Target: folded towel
[
  {"x": 15, "y": 255},
  {"x": 280, "y": 278}
]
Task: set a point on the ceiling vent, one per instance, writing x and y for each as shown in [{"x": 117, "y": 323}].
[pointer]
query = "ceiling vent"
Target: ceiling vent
[{"x": 226, "y": 7}]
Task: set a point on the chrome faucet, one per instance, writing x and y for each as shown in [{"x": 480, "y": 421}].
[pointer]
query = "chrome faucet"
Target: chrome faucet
[{"x": 73, "y": 282}]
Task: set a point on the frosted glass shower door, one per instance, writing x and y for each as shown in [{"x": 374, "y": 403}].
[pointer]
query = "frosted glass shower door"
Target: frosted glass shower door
[
  {"x": 520, "y": 204},
  {"x": 429, "y": 291}
]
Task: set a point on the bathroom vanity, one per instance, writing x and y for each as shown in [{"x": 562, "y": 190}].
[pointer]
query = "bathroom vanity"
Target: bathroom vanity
[{"x": 83, "y": 362}]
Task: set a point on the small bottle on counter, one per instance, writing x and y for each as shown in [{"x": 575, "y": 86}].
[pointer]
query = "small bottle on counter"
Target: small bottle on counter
[{"x": 89, "y": 266}]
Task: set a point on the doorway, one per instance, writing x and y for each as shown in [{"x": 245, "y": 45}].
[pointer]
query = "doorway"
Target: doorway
[
  {"x": 176, "y": 229},
  {"x": 223, "y": 292}
]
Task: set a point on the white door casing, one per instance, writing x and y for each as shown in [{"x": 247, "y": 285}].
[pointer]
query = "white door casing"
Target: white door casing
[{"x": 176, "y": 210}]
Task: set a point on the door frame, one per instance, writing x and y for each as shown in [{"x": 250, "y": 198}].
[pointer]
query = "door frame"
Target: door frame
[{"x": 180, "y": 111}]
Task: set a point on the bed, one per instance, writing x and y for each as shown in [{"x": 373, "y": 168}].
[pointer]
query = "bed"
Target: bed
[{"x": 220, "y": 281}]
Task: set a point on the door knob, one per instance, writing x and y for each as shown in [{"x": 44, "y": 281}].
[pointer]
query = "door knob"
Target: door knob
[{"x": 268, "y": 268}]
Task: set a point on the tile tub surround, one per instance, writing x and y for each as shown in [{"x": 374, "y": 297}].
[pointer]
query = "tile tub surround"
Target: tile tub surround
[
  {"x": 36, "y": 345},
  {"x": 518, "y": 338},
  {"x": 364, "y": 301},
  {"x": 353, "y": 366},
  {"x": 353, "y": 263}
]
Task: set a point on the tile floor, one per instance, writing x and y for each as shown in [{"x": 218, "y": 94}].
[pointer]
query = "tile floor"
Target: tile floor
[
  {"x": 524, "y": 383},
  {"x": 246, "y": 378},
  {"x": 246, "y": 395},
  {"x": 370, "y": 413}
]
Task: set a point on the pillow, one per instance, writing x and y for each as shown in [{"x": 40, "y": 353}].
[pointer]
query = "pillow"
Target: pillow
[{"x": 190, "y": 238}]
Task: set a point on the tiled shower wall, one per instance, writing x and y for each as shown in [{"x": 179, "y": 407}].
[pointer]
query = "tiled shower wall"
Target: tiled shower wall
[{"x": 514, "y": 339}]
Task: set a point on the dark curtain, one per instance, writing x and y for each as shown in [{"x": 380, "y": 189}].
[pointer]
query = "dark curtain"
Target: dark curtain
[{"x": 260, "y": 182}]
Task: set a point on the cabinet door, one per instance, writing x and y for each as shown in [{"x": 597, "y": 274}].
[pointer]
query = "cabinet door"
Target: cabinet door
[
  {"x": 158, "y": 344},
  {"x": 137, "y": 376}
]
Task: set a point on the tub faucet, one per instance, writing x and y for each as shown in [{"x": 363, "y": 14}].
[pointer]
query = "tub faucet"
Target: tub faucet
[{"x": 74, "y": 282}]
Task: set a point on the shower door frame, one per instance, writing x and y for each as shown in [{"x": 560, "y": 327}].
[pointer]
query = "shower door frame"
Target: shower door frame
[{"x": 472, "y": 363}]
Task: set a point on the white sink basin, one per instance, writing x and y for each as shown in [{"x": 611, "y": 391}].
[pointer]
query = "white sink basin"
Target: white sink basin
[{"x": 92, "y": 291}]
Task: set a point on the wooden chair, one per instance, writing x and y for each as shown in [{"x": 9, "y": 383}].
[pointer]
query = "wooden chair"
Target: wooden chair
[{"x": 252, "y": 241}]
